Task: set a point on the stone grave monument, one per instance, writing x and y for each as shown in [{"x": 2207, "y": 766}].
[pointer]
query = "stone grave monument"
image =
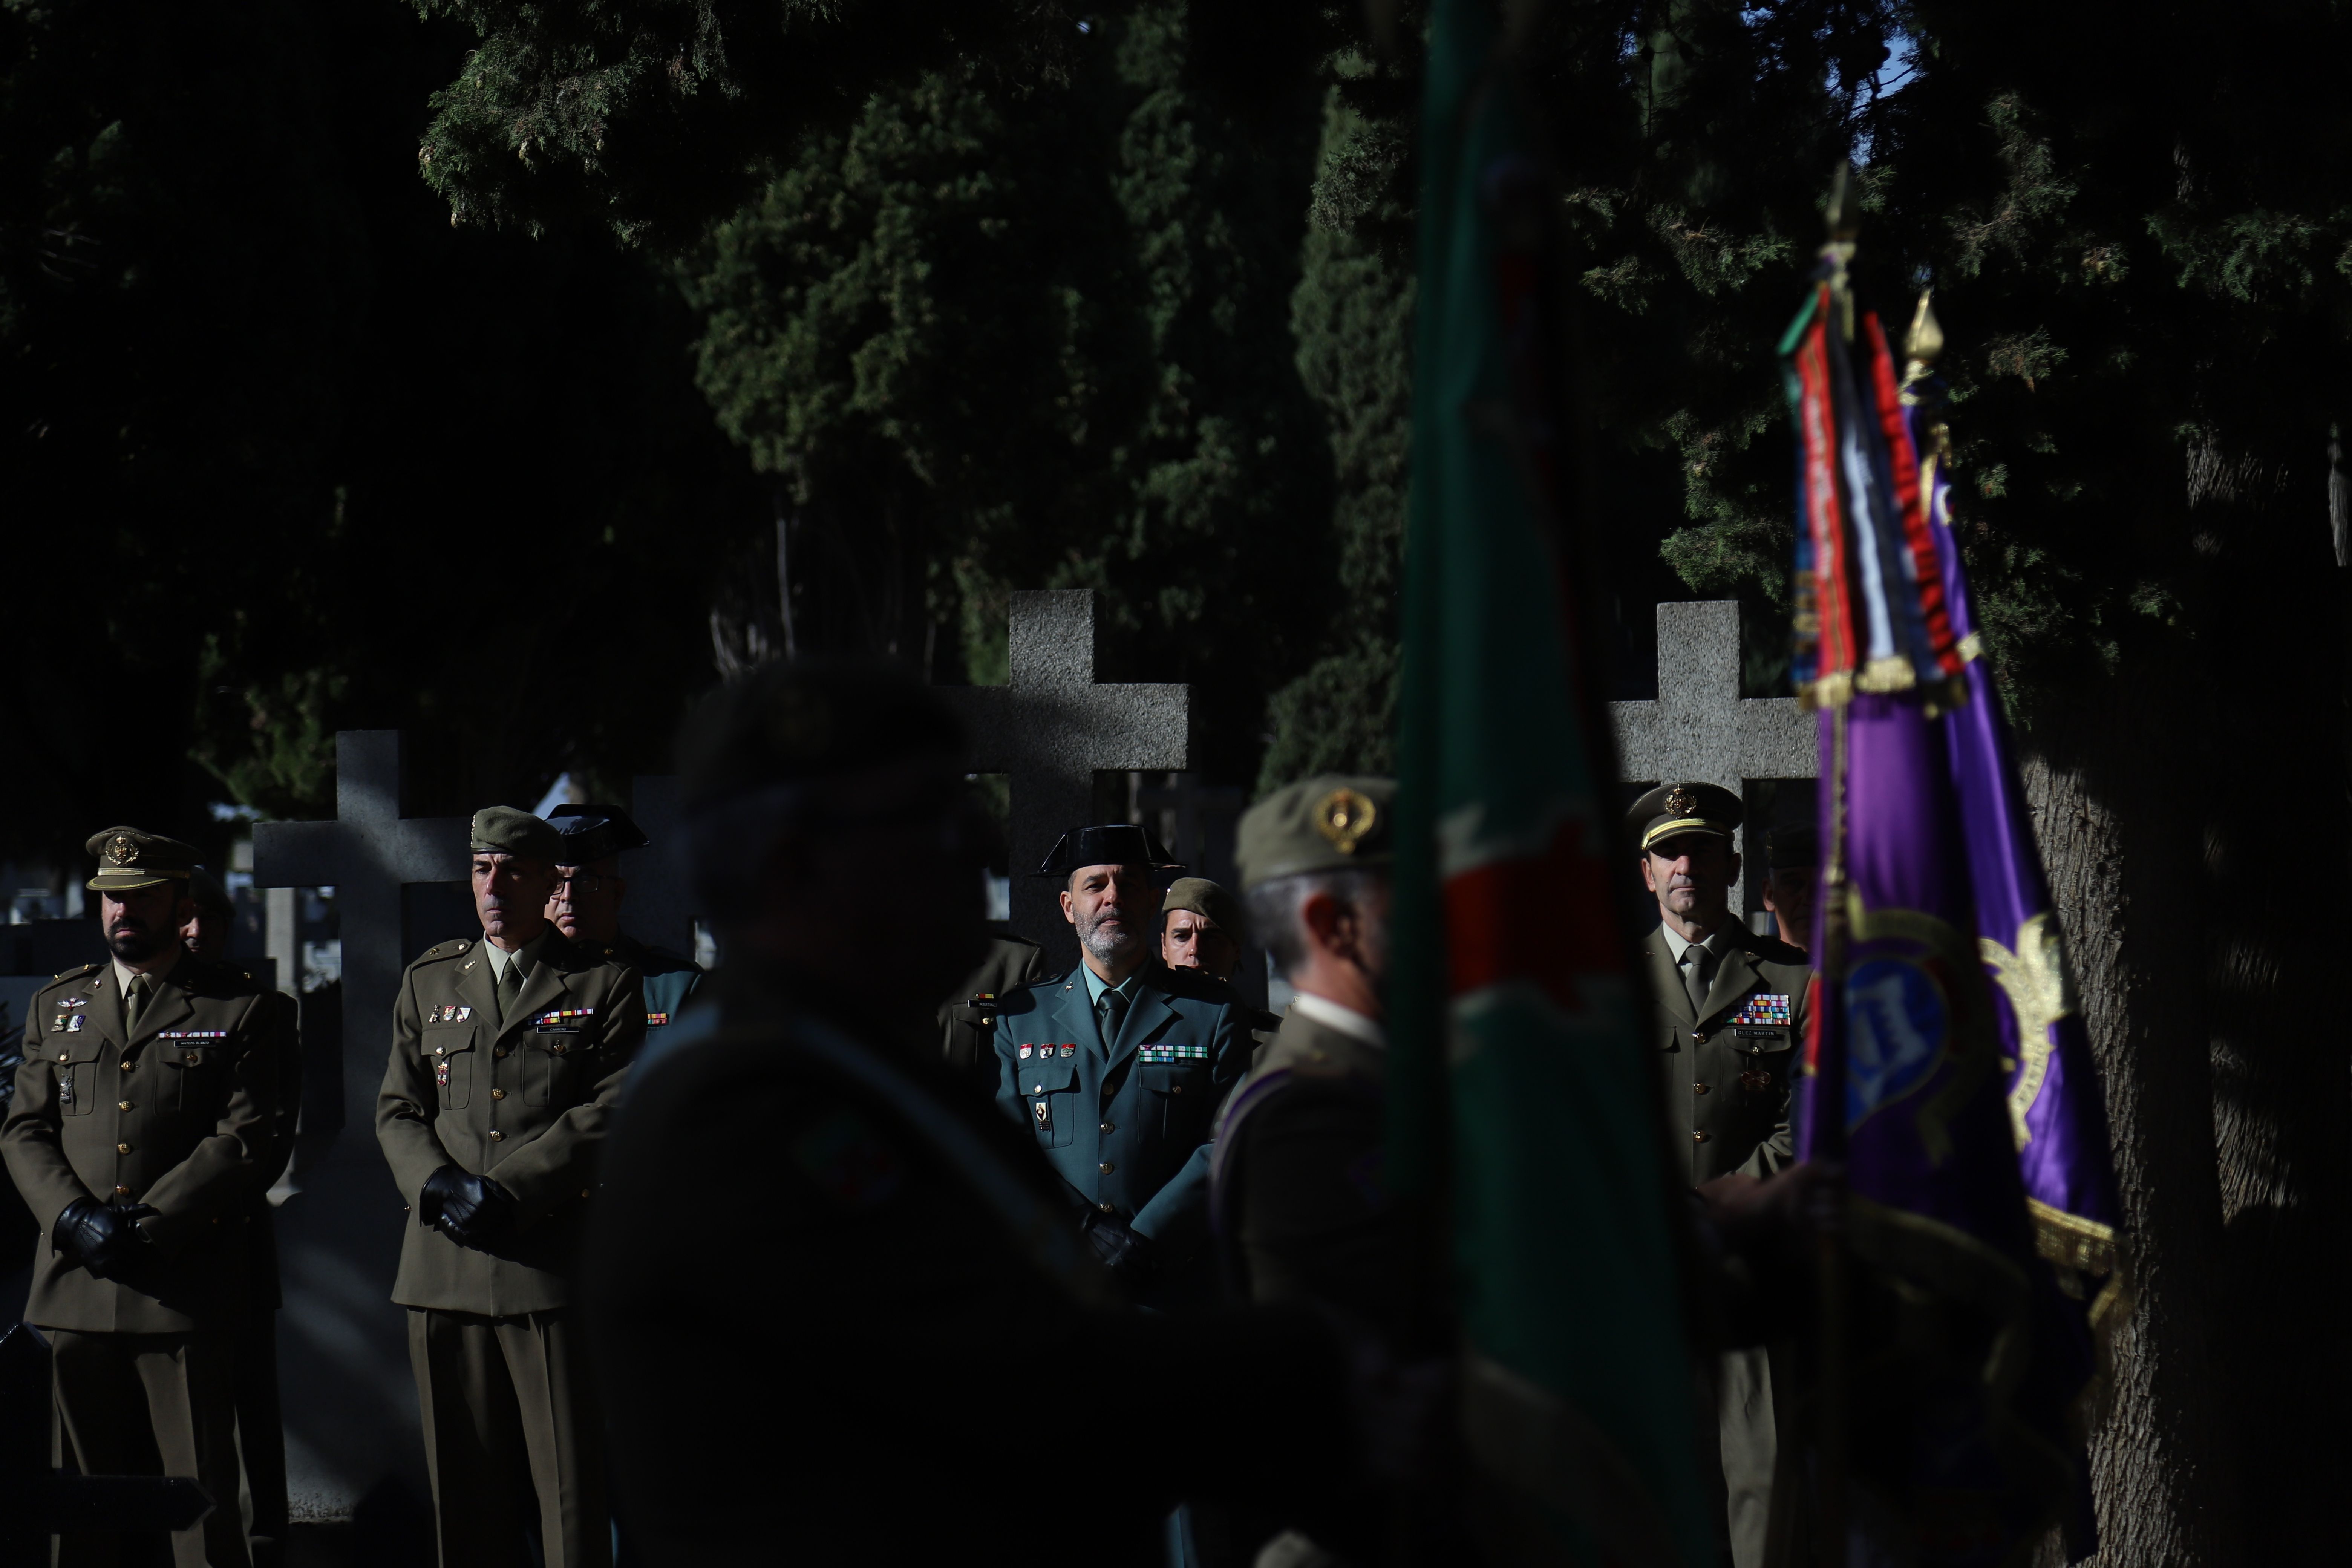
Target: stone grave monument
[
  {"x": 1050, "y": 728},
  {"x": 1700, "y": 729}
]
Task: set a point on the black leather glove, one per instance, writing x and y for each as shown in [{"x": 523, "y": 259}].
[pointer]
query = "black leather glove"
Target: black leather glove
[
  {"x": 470, "y": 1210},
  {"x": 106, "y": 1241},
  {"x": 1127, "y": 1253}
]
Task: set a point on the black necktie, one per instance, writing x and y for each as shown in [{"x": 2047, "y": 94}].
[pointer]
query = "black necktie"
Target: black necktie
[{"x": 1110, "y": 1012}]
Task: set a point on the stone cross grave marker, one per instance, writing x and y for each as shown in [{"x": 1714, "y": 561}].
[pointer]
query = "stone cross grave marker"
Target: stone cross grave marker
[
  {"x": 1050, "y": 728},
  {"x": 1700, "y": 729},
  {"x": 1192, "y": 803}
]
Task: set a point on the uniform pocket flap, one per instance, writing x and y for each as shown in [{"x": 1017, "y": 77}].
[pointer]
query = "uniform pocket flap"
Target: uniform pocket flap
[
  {"x": 1036, "y": 1078},
  {"x": 85, "y": 1044},
  {"x": 560, "y": 1042},
  {"x": 1173, "y": 1078},
  {"x": 445, "y": 1042}
]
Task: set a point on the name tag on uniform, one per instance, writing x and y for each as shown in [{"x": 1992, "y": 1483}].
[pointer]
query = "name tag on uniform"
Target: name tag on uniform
[
  {"x": 1173, "y": 1054},
  {"x": 1764, "y": 1008},
  {"x": 1758, "y": 1034}
]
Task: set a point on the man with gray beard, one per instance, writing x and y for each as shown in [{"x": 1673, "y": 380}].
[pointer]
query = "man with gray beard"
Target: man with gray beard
[{"x": 1117, "y": 1067}]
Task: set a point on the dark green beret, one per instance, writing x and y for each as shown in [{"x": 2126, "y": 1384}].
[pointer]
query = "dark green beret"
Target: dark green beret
[
  {"x": 788, "y": 724},
  {"x": 1327, "y": 823},
  {"x": 1210, "y": 901},
  {"x": 504, "y": 830},
  {"x": 128, "y": 858},
  {"x": 208, "y": 892},
  {"x": 1794, "y": 845},
  {"x": 1676, "y": 808}
]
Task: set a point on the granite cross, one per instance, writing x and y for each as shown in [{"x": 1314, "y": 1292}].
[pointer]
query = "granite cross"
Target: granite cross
[
  {"x": 1050, "y": 728},
  {"x": 1700, "y": 729}
]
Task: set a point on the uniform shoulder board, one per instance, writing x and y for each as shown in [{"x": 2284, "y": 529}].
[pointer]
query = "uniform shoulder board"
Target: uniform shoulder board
[
  {"x": 69, "y": 974},
  {"x": 445, "y": 950}
]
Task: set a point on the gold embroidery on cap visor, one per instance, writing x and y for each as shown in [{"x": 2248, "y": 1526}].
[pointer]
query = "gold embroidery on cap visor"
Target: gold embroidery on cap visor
[
  {"x": 1686, "y": 825},
  {"x": 1344, "y": 817}
]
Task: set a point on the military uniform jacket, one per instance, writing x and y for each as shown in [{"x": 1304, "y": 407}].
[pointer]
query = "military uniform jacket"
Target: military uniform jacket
[
  {"x": 180, "y": 1114},
  {"x": 1297, "y": 1198},
  {"x": 1727, "y": 1072},
  {"x": 968, "y": 1019},
  {"x": 668, "y": 979},
  {"x": 1127, "y": 1127},
  {"x": 524, "y": 1103}
]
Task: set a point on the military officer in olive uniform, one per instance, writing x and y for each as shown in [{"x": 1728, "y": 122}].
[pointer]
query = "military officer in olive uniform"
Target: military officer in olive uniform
[
  {"x": 1732, "y": 1009},
  {"x": 1118, "y": 1066},
  {"x": 141, "y": 1128},
  {"x": 506, "y": 1055},
  {"x": 586, "y": 909}
]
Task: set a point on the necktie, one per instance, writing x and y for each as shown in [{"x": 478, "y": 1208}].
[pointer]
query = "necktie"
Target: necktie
[
  {"x": 509, "y": 989},
  {"x": 1694, "y": 979},
  {"x": 135, "y": 1001},
  {"x": 1110, "y": 1012}
]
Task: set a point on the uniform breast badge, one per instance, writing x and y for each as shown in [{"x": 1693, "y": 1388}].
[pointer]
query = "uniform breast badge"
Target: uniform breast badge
[
  {"x": 441, "y": 1072},
  {"x": 1045, "y": 1112},
  {"x": 73, "y": 1025},
  {"x": 1756, "y": 1079},
  {"x": 65, "y": 1086}
]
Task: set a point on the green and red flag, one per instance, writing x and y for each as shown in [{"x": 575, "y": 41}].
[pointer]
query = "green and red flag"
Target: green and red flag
[{"x": 1521, "y": 1100}]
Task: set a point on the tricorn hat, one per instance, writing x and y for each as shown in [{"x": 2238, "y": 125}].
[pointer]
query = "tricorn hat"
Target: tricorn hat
[
  {"x": 594, "y": 832},
  {"x": 1109, "y": 844},
  {"x": 1672, "y": 809},
  {"x": 209, "y": 892},
  {"x": 128, "y": 860}
]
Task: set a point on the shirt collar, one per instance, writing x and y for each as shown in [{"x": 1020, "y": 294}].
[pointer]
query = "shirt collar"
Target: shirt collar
[
  {"x": 1676, "y": 944},
  {"x": 155, "y": 977},
  {"x": 527, "y": 952},
  {"x": 1347, "y": 1020},
  {"x": 1097, "y": 984}
]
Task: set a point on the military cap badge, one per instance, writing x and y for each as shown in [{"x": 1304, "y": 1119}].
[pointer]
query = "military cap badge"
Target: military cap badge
[
  {"x": 121, "y": 851},
  {"x": 1344, "y": 817},
  {"x": 1681, "y": 802}
]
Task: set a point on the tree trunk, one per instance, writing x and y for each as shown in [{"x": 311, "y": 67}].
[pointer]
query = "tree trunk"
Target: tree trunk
[{"x": 2117, "y": 831}]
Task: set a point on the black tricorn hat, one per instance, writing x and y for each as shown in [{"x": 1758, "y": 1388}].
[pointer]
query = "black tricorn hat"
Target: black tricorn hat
[
  {"x": 594, "y": 832},
  {"x": 1111, "y": 843}
]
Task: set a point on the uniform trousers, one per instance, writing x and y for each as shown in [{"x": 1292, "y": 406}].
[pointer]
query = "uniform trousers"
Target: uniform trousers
[
  {"x": 508, "y": 1415},
  {"x": 1747, "y": 1436},
  {"x": 261, "y": 1434},
  {"x": 148, "y": 1405}
]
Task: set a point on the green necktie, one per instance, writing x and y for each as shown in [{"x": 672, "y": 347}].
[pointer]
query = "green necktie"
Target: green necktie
[
  {"x": 1695, "y": 980},
  {"x": 510, "y": 988},
  {"x": 1110, "y": 1012},
  {"x": 135, "y": 1002}
]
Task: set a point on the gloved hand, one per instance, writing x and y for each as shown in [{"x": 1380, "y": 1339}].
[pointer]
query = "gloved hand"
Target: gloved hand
[
  {"x": 106, "y": 1241},
  {"x": 1127, "y": 1253},
  {"x": 470, "y": 1210}
]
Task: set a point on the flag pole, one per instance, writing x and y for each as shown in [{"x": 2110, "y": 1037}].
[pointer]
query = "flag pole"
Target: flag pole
[{"x": 1831, "y": 1430}]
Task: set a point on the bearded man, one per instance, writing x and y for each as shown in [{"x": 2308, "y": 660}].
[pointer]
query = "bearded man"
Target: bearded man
[{"x": 1118, "y": 1066}]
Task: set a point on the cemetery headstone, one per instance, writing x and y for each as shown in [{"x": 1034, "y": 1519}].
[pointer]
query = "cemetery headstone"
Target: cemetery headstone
[
  {"x": 1700, "y": 729},
  {"x": 1050, "y": 728}
]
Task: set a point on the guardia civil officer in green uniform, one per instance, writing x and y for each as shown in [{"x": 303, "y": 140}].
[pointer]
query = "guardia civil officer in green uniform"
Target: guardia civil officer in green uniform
[
  {"x": 260, "y": 1421},
  {"x": 1731, "y": 1010},
  {"x": 893, "y": 1348},
  {"x": 1117, "y": 1067},
  {"x": 506, "y": 1055},
  {"x": 141, "y": 1128},
  {"x": 586, "y": 909}
]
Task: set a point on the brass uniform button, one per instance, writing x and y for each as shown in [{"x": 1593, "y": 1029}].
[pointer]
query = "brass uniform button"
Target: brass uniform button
[
  {"x": 122, "y": 1148},
  {"x": 497, "y": 1094},
  {"x": 1696, "y": 1137},
  {"x": 583, "y": 1191},
  {"x": 1698, "y": 1037},
  {"x": 122, "y": 1190},
  {"x": 1108, "y": 1128},
  {"x": 1105, "y": 1167},
  {"x": 499, "y": 1052},
  {"x": 122, "y": 1105},
  {"x": 440, "y": 1050},
  {"x": 1104, "y": 1207},
  {"x": 126, "y": 1067},
  {"x": 61, "y": 1055},
  {"x": 1698, "y": 1088},
  {"x": 496, "y": 1135},
  {"x": 1175, "y": 1088}
]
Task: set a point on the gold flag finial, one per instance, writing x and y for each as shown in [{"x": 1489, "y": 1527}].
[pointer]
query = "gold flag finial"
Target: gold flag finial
[
  {"x": 1925, "y": 343},
  {"x": 1843, "y": 214}
]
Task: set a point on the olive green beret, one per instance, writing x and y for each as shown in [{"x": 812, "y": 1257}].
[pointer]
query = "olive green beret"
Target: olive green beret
[
  {"x": 208, "y": 892},
  {"x": 1324, "y": 824},
  {"x": 1209, "y": 900},
  {"x": 787, "y": 723},
  {"x": 1676, "y": 808},
  {"x": 504, "y": 830},
  {"x": 128, "y": 858}
]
